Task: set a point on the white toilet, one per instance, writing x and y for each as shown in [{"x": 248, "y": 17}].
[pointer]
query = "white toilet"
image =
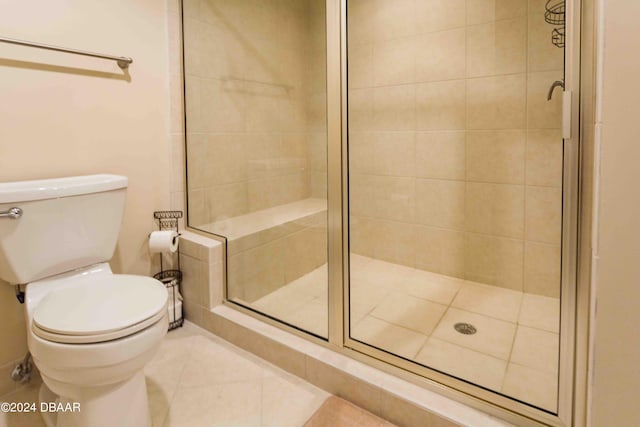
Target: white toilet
[{"x": 90, "y": 331}]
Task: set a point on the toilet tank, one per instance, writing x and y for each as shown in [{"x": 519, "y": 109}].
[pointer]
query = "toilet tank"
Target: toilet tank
[{"x": 66, "y": 223}]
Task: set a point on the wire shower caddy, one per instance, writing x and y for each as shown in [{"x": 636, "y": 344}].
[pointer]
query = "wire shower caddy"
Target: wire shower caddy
[
  {"x": 554, "y": 14},
  {"x": 168, "y": 220}
]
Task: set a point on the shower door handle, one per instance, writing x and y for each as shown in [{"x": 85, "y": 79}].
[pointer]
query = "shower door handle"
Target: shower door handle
[
  {"x": 552, "y": 88},
  {"x": 13, "y": 213}
]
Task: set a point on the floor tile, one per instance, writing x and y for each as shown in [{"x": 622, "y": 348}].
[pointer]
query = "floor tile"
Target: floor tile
[
  {"x": 410, "y": 312},
  {"x": 493, "y": 337},
  {"x": 388, "y": 336},
  {"x": 540, "y": 312},
  {"x": 235, "y": 404},
  {"x": 536, "y": 349},
  {"x": 213, "y": 364},
  {"x": 532, "y": 386},
  {"x": 461, "y": 362},
  {"x": 287, "y": 402},
  {"x": 28, "y": 393},
  {"x": 312, "y": 316},
  {"x": 492, "y": 301},
  {"x": 432, "y": 287}
]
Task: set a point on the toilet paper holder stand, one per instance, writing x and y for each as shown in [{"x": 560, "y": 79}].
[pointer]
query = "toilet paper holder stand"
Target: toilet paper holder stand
[{"x": 172, "y": 278}]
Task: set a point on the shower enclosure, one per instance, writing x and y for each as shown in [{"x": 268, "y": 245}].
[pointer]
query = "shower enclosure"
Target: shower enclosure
[{"x": 395, "y": 178}]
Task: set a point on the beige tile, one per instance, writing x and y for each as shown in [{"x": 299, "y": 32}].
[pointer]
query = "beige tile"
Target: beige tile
[
  {"x": 372, "y": 286},
  {"x": 440, "y": 251},
  {"x": 494, "y": 260},
  {"x": 163, "y": 374},
  {"x": 313, "y": 317},
  {"x": 544, "y": 158},
  {"x": 196, "y": 208},
  {"x": 495, "y": 209},
  {"x": 361, "y": 109},
  {"x": 362, "y": 237},
  {"x": 536, "y": 349},
  {"x": 389, "y": 337},
  {"x": 440, "y": 155},
  {"x": 542, "y": 269},
  {"x": 440, "y": 203},
  {"x": 532, "y": 386},
  {"x": 196, "y": 161},
  {"x": 235, "y": 150},
  {"x": 360, "y": 60},
  {"x": 440, "y": 105},
  {"x": 304, "y": 251},
  {"x": 497, "y": 48},
  {"x": 394, "y": 108},
  {"x": 223, "y": 107},
  {"x": 29, "y": 394},
  {"x": 377, "y": 20},
  {"x": 226, "y": 200},
  {"x": 543, "y": 55},
  {"x": 193, "y": 108},
  {"x": 405, "y": 413},
  {"x": 544, "y": 214},
  {"x": 542, "y": 113},
  {"x": 479, "y": 368},
  {"x": 436, "y": 15},
  {"x": 481, "y": 11},
  {"x": 288, "y": 401},
  {"x": 410, "y": 312},
  {"x": 430, "y": 286},
  {"x": 394, "y": 242},
  {"x": 211, "y": 364},
  {"x": 493, "y": 337},
  {"x": 194, "y": 280},
  {"x": 540, "y": 312},
  {"x": 382, "y": 153},
  {"x": 496, "y": 156},
  {"x": 446, "y": 58},
  {"x": 497, "y": 102},
  {"x": 330, "y": 378},
  {"x": 254, "y": 273},
  {"x": 492, "y": 301},
  {"x": 394, "y": 61},
  {"x": 383, "y": 197},
  {"x": 229, "y": 404}
]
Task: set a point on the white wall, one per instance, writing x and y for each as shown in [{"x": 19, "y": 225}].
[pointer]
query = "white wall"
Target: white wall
[
  {"x": 616, "y": 380},
  {"x": 62, "y": 114}
]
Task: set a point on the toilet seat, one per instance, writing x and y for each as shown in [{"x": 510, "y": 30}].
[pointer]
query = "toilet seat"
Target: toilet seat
[{"x": 99, "y": 309}]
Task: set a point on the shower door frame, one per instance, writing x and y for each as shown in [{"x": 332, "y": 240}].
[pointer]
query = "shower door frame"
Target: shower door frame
[
  {"x": 575, "y": 293},
  {"x": 338, "y": 256}
]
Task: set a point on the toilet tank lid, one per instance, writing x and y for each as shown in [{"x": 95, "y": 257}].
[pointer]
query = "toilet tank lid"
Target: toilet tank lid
[{"x": 41, "y": 189}]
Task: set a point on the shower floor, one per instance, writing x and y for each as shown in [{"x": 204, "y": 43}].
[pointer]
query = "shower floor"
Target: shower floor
[{"x": 412, "y": 313}]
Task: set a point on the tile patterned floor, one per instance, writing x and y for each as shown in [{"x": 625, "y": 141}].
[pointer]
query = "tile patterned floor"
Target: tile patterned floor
[
  {"x": 199, "y": 380},
  {"x": 412, "y": 312}
]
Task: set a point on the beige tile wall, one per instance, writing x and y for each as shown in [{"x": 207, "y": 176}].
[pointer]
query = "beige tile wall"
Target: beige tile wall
[
  {"x": 255, "y": 102},
  {"x": 455, "y": 153}
]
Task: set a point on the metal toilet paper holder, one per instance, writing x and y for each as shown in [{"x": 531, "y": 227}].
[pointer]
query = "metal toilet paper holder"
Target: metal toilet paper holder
[{"x": 171, "y": 278}]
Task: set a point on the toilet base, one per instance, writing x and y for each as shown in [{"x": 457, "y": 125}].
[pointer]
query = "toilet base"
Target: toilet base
[{"x": 122, "y": 404}]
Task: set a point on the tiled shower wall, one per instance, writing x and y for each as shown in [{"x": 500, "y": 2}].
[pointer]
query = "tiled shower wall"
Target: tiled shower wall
[
  {"x": 455, "y": 152},
  {"x": 254, "y": 103}
]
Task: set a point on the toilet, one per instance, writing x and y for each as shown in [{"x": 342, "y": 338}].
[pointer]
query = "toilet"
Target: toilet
[{"x": 90, "y": 331}]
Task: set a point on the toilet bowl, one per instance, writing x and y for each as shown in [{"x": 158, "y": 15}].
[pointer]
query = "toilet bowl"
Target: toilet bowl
[{"x": 90, "y": 332}]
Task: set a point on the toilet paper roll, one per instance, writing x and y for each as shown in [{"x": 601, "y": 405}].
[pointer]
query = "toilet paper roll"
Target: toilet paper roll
[{"x": 163, "y": 241}]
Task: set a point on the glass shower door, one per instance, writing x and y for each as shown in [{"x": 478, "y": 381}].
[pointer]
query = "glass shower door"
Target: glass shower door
[
  {"x": 255, "y": 98},
  {"x": 456, "y": 190}
]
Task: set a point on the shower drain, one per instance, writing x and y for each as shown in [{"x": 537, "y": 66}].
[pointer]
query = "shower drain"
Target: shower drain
[{"x": 465, "y": 328}]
